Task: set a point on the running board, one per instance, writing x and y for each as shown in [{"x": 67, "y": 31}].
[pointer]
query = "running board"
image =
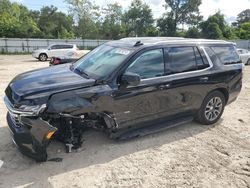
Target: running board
[{"x": 124, "y": 135}]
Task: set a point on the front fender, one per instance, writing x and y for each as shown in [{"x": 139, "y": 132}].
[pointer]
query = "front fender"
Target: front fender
[{"x": 80, "y": 101}]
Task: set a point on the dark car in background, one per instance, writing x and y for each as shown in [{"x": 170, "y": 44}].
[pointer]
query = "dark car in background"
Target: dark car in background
[{"x": 125, "y": 88}]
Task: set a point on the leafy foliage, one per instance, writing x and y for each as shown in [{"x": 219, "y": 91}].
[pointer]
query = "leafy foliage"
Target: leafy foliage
[
  {"x": 138, "y": 19},
  {"x": 179, "y": 12},
  {"x": 86, "y": 20},
  {"x": 215, "y": 27},
  {"x": 55, "y": 24},
  {"x": 244, "y": 31}
]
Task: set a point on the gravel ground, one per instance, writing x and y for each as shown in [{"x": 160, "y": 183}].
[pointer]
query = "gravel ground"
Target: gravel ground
[{"x": 191, "y": 155}]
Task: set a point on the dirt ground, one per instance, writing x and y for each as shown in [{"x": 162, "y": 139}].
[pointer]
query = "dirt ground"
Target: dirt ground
[{"x": 191, "y": 155}]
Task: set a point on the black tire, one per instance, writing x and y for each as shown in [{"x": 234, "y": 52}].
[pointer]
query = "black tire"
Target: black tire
[
  {"x": 212, "y": 108},
  {"x": 43, "y": 57}
]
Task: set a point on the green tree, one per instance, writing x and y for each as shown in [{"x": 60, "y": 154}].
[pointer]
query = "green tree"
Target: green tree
[
  {"x": 243, "y": 17},
  {"x": 179, "y": 12},
  {"x": 54, "y": 24},
  {"x": 112, "y": 24},
  {"x": 138, "y": 19},
  {"x": 86, "y": 15},
  {"x": 166, "y": 26},
  {"x": 15, "y": 21},
  {"x": 244, "y": 31},
  {"x": 214, "y": 31},
  {"x": 193, "y": 32},
  {"x": 215, "y": 27}
]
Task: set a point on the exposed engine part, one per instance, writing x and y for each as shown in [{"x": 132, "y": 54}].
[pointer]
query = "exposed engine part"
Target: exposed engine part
[
  {"x": 69, "y": 148},
  {"x": 70, "y": 128}
]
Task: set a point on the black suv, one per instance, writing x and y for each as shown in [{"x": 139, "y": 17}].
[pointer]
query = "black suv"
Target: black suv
[{"x": 126, "y": 88}]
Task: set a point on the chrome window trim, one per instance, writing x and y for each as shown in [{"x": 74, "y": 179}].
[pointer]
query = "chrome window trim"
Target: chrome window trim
[{"x": 185, "y": 73}]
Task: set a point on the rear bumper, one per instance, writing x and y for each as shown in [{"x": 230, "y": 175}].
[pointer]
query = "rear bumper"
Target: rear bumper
[{"x": 29, "y": 136}]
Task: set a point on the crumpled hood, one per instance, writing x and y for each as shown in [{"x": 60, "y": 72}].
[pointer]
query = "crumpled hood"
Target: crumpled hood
[{"x": 46, "y": 80}]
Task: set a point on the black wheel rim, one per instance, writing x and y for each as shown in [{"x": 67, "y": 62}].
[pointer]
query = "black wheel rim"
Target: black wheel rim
[{"x": 213, "y": 108}]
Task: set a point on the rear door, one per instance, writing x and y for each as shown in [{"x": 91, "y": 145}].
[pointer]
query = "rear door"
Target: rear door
[
  {"x": 188, "y": 69},
  {"x": 55, "y": 51},
  {"x": 67, "y": 50}
]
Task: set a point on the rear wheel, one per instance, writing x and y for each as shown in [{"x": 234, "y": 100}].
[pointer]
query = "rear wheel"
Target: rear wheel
[
  {"x": 43, "y": 57},
  {"x": 211, "y": 108}
]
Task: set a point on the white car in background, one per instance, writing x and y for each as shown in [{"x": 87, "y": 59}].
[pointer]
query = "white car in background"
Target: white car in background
[
  {"x": 55, "y": 50},
  {"x": 244, "y": 55}
]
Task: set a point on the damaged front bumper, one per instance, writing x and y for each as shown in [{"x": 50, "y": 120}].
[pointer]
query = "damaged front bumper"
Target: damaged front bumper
[{"x": 31, "y": 134}]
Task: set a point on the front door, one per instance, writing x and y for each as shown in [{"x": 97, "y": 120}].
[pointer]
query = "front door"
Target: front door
[{"x": 140, "y": 104}]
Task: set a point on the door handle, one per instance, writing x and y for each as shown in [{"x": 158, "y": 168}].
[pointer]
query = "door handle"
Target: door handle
[{"x": 204, "y": 79}]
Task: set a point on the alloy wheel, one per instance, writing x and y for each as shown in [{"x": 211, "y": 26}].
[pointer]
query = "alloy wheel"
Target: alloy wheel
[{"x": 213, "y": 108}]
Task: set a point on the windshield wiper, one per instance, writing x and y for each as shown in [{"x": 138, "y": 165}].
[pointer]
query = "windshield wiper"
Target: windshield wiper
[{"x": 82, "y": 72}]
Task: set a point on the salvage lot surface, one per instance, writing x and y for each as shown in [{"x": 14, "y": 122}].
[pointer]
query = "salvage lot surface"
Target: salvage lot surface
[{"x": 191, "y": 155}]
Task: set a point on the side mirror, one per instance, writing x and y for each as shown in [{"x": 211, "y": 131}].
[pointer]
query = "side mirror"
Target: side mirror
[{"x": 130, "y": 78}]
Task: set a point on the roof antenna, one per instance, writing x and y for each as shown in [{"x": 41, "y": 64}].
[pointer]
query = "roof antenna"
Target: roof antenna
[{"x": 138, "y": 43}]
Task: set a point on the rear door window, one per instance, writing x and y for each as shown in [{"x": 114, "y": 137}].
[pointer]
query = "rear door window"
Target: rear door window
[
  {"x": 226, "y": 54},
  {"x": 67, "y": 46},
  {"x": 180, "y": 59},
  {"x": 55, "y": 47}
]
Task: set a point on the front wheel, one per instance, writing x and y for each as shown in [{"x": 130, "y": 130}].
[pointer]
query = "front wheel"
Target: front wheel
[
  {"x": 211, "y": 108},
  {"x": 43, "y": 57}
]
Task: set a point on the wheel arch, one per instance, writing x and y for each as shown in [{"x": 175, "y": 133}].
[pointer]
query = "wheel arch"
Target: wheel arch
[
  {"x": 224, "y": 91},
  {"x": 44, "y": 54}
]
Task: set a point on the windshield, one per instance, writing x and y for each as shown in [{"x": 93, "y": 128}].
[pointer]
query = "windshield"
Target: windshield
[{"x": 101, "y": 61}]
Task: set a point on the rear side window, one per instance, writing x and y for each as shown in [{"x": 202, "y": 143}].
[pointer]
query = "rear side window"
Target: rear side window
[
  {"x": 212, "y": 55},
  {"x": 201, "y": 59},
  {"x": 227, "y": 54}
]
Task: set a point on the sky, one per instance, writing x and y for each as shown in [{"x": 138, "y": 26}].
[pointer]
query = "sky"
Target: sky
[{"x": 230, "y": 8}]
